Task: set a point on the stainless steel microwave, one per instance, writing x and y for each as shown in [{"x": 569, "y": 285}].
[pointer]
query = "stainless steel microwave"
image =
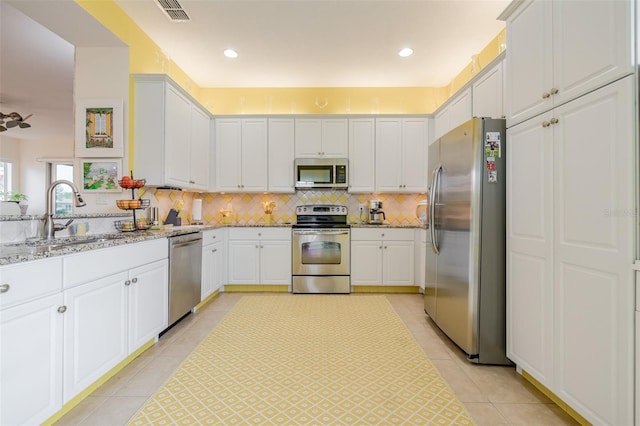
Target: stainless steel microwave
[{"x": 321, "y": 173}]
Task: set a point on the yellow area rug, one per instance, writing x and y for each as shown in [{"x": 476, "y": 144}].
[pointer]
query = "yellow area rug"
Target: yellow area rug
[{"x": 306, "y": 360}]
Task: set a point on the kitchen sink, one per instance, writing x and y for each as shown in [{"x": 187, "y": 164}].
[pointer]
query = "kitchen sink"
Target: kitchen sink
[{"x": 60, "y": 243}]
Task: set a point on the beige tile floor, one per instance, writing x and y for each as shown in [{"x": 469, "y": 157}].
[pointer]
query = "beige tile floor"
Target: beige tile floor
[{"x": 493, "y": 395}]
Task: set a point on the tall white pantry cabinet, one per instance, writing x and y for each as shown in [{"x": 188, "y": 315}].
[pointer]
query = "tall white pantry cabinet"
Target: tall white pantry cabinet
[{"x": 572, "y": 169}]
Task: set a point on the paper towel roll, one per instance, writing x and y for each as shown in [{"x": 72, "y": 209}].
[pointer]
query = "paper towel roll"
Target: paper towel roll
[{"x": 196, "y": 212}]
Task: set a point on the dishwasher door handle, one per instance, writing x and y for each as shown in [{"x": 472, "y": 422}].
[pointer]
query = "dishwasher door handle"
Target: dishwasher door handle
[{"x": 188, "y": 243}]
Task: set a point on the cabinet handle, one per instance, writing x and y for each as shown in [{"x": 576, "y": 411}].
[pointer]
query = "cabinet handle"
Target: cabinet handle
[
  {"x": 554, "y": 121},
  {"x": 257, "y": 246},
  {"x": 214, "y": 250},
  {"x": 382, "y": 234},
  {"x": 261, "y": 246},
  {"x": 135, "y": 280},
  {"x": 127, "y": 282},
  {"x": 546, "y": 124},
  {"x": 385, "y": 247},
  {"x": 553, "y": 91},
  {"x": 545, "y": 95},
  {"x": 62, "y": 309},
  {"x": 214, "y": 237},
  {"x": 4, "y": 288},
  {"x": 191, "y": 181},
  {"x": 380, "y": 247}
]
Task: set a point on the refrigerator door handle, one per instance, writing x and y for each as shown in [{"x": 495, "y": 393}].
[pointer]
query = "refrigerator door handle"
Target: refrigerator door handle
[{"x": 435, "y": 188}]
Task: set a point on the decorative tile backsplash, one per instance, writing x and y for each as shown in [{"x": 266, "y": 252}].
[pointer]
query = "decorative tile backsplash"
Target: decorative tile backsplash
[{"x": 400, "y": 209}]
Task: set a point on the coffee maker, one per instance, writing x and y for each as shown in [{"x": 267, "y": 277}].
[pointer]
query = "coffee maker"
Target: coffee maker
[{"x": 376, "y": 215}]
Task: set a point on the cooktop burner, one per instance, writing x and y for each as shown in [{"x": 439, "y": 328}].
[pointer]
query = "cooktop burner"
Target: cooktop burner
[{"x": 321, "y": 216}]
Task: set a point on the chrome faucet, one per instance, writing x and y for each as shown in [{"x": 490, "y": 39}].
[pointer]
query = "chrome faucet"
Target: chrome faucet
[{"x": 50, "y": 227}]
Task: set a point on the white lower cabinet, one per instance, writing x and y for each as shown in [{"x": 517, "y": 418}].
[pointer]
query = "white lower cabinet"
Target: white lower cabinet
[
  {"x": 420, "y": 236},
  {"x": 30, "y": 341},
  {"x": 148, "y": 299},
  {"x": 95, "y": 331},
  {"x": 382, "y": 256},
  {"x": 213, "y": 261},
  {"x": 31, "y": 361},
  {"x": 570, "y": 305},
  {"x": 260, "y": 256}
]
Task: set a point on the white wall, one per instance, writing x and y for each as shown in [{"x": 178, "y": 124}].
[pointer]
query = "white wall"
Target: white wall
[{"x": 103, "y": 73}]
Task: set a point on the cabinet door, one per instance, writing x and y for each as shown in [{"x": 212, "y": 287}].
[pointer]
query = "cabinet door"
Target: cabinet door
[
  {"x": 529, "y": 248},
  {"x": 219, "y": 267},
  {"x": 460, "y": 109},
  {"x": 362, "y": 150},
  {"x": 199, "y": 154},
  {"x": 177, "y": 134},
  {"x": 308, "y": 137},
  {"x": 388, "y": 154},
  {"x": 275, "y": 262},
  {"x": 414, "y": 154},
  {"x": 244, "y": 262},
  {"x": 335, "y": 135},
  {"x": 397, "y": 265},
  {"x": 529, "y": 61},
  {"x": 592, "y": 45},
  {"x": 281, "y": 154},
  {"x": 487, "y": 94},
  {"x": 148, "y": 302},
  {"x": 254, "y": 155},
  {"x": 593, "y": 250},
  {"x": 95, "y": 331},
  {"x": 366, "y": 262},
  {"x": 441, "y": 122},
  {"x": 208, "y": 270},
  {"x": 31, "y": 361},
  {"x": 228, "y": 154}
]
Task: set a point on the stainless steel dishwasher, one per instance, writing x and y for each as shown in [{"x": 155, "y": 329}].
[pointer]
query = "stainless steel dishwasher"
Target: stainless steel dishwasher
[{"x": 185, "y": 274}]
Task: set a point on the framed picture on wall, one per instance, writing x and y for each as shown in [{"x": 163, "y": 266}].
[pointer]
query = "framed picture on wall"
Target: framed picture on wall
[
  {"x": 101, "y": 174},
  {"x": 99, "y": 128}
]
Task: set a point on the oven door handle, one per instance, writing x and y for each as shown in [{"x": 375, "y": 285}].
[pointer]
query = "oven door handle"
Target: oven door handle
[{"x": 321, "y": 232}]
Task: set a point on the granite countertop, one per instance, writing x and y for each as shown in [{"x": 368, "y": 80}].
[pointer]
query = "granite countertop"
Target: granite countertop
[
  {"x": 25, "y": 251},
  {"x": 11, "y": 253},
  {"x": 387, "y": 225}
]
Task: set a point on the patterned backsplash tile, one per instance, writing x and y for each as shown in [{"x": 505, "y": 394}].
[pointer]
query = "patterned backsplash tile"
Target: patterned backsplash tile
[{"x": 400, "y": 209}]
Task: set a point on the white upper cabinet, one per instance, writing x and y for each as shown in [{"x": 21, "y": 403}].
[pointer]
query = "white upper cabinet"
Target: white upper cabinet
[
  {"x": 401, "y": 154},
  {"x": 457, "y": 111},
  {"x": 487, "y": 93},
  {"x": 171, "y": 135},
  {"x": 559, "y": 50},
  {"x": 241, "y": 154},
  {"x": 362, "y": 139},
  {"x": 281, "y": 154},
  {"x": 321, "y": 137}
]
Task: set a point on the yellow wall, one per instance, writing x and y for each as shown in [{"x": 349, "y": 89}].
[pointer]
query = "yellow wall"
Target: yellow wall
[{"x": 147, "y": 57}]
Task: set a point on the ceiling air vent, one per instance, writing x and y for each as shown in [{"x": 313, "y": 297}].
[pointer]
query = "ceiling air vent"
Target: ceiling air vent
[{"x": 174, "y": 10}]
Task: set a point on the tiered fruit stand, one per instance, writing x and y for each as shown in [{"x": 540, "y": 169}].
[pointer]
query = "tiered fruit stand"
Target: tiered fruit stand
[{"x": 133, "y": 204}]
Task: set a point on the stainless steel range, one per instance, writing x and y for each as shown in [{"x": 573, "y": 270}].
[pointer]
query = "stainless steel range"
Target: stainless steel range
[{"x": 321, "y": 250}]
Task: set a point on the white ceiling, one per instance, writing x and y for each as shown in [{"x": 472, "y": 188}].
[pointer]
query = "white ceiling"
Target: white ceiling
[
  {"x": 292, "y": 43},
  {"x": 322, "y": 43}
]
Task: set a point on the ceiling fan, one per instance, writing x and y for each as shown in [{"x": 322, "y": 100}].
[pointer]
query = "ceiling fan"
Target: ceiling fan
[{"x": 14, "y": 119}]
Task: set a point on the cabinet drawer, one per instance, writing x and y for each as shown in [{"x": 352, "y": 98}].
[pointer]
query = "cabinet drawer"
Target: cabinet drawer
[
  {"x": 89, "y": 266},
  {"x": 382, "y": 234},
  {"x": 30, "y": 280},
  {"x": 260, "y": 233},
  {"x": 212, "y": 236}
]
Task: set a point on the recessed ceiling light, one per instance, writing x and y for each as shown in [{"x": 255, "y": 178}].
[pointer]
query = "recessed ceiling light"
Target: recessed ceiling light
[
  {"x": 230, "y": 53},
  {"x": 404, "y": 52}
]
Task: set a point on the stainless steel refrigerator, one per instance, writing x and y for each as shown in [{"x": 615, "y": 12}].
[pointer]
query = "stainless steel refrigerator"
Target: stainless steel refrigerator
[{"x": 465, "y": 266}]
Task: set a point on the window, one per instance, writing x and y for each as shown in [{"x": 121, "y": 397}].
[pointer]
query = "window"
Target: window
[
  {"x": 63, "y": 197},
  {"x": 5, "y": 179}
]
